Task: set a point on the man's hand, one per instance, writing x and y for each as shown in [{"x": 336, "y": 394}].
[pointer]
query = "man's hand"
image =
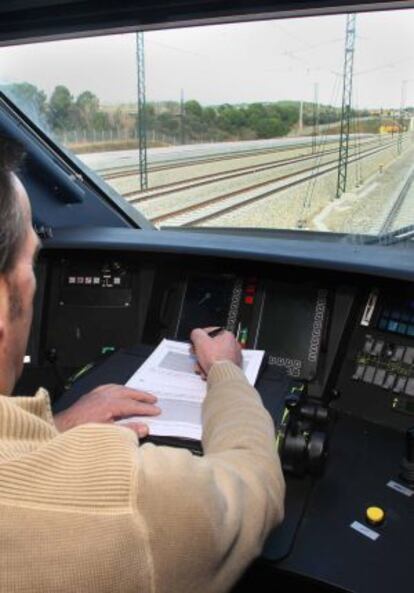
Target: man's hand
[
  {"x": 108, "y": 403},
  {"x": 210, "y": 350}
]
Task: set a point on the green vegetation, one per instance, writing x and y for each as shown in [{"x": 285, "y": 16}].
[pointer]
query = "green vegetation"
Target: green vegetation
[
  {"x": 62, "y": 111},
  {"x": 83, "y": 118},
  {"x": 234, "y": 122}
]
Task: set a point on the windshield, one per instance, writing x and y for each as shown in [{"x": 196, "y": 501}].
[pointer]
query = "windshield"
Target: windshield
[{"x": 301, "y": 123}]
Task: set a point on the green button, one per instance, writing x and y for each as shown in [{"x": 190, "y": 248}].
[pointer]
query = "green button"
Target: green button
[{"x": 107, "y": 349}]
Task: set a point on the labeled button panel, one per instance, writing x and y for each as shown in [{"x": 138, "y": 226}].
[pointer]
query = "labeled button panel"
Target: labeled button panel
[
  {"x": 388, "y": 366},
  {"x": 383, "y": 357}
]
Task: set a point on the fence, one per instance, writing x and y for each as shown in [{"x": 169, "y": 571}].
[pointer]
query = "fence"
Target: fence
[{"x": 122, "y": 135}]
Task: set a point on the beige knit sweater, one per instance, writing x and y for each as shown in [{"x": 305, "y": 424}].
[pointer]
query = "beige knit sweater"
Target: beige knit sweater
[{"x": 89, "y": 510}]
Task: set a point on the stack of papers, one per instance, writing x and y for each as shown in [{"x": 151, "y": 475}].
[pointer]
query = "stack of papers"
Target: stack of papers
[{"x": 169, "y": 374}]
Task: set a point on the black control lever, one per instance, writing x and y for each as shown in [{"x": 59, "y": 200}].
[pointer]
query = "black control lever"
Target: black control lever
[
  {"x": 304, "y": 443},
  {"x": 407, "y": 464}
]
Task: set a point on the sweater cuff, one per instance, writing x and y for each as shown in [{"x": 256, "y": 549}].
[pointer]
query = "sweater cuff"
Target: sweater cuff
[{"x": 224, "y": 370}]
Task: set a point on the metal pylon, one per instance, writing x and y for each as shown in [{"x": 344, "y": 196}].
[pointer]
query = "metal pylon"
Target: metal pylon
[
  {"x": 182, "y": 118},
  {"x": 142, "y": 113},
  {"x": 346, "y": 104},
  {"x": 401, "y": 118},
  {"x": 315, "y": 131}
]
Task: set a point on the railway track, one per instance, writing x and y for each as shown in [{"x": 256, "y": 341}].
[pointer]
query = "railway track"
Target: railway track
[
  {"x": 393, "y": 213},
  {"x": 127, "y": 171},
  {"x": 202, "y": 180},
  {"x": 217, "y": 206}
]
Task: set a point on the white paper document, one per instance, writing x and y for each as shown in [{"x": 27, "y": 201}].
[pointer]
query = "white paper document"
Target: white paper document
[{"x": 169, "y": 374}]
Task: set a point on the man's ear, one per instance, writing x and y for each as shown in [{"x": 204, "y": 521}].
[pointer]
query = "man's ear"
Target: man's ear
[{"x": 4, "y": 305}]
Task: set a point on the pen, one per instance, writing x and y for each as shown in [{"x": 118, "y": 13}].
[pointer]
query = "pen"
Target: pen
[{"x": 215, "y": 332}]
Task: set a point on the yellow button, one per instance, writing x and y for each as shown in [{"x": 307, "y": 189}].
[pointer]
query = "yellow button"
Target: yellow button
[{"x": 374, "y": 515}]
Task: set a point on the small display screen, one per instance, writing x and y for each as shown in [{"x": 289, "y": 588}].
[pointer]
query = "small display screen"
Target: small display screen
[
  {"x": 292, "y": 327},
  {"x": 206, "y": 303},
  {"x": 397, "y": 316}
]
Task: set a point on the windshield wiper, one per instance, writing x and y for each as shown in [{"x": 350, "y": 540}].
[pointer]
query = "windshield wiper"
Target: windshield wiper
[{"x": 397, "y": 236}]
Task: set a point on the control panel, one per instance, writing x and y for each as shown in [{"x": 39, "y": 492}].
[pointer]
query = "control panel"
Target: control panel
[
  {"x": 289, "y": 319},
  {"x": 92, "y": 307},
  {"x": 388, "y": 365},
  {"x": 96, "y": 305},
  {"x": 377, "y": 379}
]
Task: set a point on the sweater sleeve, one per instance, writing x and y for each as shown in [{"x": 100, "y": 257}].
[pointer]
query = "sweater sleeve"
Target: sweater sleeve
[{"x": 207, "y": 518}]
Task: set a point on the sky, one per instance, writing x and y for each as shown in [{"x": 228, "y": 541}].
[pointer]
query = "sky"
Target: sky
[{"x": 272, "y": 60}]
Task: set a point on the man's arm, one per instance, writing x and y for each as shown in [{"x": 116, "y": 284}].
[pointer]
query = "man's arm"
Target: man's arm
[{"x": 207, "y": 518}]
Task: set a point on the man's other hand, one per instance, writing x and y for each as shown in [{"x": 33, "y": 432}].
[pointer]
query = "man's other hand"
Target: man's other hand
[
  {"x": 208, "y": 350},
  {"x": 107, "y": 404}
]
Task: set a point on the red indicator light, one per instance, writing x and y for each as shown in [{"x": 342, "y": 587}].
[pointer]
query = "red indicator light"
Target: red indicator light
[{"x": 249, "y": 300}]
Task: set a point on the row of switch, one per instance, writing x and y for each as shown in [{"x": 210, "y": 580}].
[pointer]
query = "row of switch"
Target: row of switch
[
  {"x": 95, "y": 280},
  {"x": 390, "y": 352},
  {"x": 380, "y": 377}
]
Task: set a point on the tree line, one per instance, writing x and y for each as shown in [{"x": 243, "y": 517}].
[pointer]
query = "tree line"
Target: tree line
[{"x": 62, "y": 112}]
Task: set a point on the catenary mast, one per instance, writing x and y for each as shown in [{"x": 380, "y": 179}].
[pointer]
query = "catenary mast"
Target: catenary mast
[
  {"x": 346, "y": 104},
  {"x": 142, "y": 113}
]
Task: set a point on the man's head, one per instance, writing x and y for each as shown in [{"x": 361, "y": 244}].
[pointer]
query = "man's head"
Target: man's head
[{"x": 18, "y": 248}]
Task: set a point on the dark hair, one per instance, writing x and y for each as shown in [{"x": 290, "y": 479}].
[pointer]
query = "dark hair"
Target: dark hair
[{"x": 12, "y": 224}]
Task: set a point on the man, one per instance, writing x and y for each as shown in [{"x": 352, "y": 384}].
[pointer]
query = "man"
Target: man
[{"x": 83, "y": 506}]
